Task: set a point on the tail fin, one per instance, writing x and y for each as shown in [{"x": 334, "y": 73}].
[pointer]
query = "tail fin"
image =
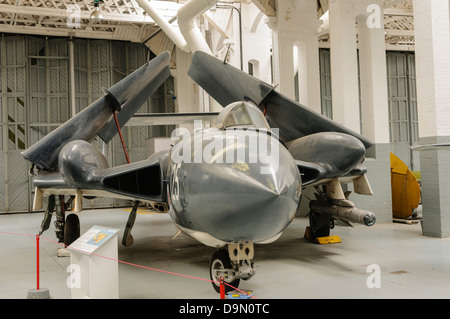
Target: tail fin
[
  {"x": 125, "y": 97},
  {"x": 226, "y": 85}
]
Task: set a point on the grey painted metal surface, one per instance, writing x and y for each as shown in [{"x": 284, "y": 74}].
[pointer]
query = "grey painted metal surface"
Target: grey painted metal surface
[
  {"x": 324, "y": 150},
  {"x": 233, "y": 201}
]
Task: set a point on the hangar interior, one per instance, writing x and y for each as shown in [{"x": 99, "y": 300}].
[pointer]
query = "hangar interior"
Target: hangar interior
[{"x": 378, "y": 67}]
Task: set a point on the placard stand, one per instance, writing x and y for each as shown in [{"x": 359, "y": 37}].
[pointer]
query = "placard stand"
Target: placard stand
[{"x": 95, "y": 270}]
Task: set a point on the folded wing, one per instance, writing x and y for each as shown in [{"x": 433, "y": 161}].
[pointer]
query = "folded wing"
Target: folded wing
[
  {"x": 323, "y": 149},
  {"x": 226, "y": 85},
  {"x": 69, "y": 165},
  {"x": 125, "y": 97}
]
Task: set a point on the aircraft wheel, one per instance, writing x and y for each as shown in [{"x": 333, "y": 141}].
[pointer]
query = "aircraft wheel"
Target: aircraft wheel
[
  {"x": 71, "y": 229},
  {"x": 221, "y": 260}
]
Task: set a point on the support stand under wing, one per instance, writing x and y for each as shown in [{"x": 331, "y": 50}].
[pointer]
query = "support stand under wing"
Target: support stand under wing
[{"x": 127, "y": 239}]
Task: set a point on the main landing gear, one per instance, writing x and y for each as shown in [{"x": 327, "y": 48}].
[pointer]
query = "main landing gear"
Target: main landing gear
[
  {"x": 231, "y": 265},
  {"x": 67, "y": 229}
]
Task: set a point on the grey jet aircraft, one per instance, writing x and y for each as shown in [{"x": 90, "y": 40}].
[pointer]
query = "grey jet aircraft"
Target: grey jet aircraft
[{"x": 229, "y": 186}]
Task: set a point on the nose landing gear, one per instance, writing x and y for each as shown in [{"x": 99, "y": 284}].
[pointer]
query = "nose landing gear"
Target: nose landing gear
[{"x": 232, "y": 265}]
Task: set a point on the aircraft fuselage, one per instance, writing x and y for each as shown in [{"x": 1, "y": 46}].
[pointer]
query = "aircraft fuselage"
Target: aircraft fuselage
[{"x": 233, "y": 185}]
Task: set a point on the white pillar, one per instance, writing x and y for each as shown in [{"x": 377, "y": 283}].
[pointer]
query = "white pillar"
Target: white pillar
[
  {"x": 344, "y": 67},
  {"x": 432, "y": 36},
  {"x": 256, "y": 42},
  {"x": 273, "y": 25},
  {"x": 309, "y": 72},
  {"x": 286, "y": 65},
  {"x": 297, "y": 25},
  {"x": 186, "y": 90},
  {"x": 343, "y": 16},
  {"x": 433, "y": 66},
  {"x": 373, "y": 79}
]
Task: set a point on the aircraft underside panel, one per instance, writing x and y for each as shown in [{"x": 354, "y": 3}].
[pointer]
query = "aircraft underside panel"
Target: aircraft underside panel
[{"x": 210, "y": 241}]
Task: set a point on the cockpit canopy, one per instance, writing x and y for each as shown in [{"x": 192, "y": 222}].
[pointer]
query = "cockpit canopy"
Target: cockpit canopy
[{"x": 241, "y": 114}]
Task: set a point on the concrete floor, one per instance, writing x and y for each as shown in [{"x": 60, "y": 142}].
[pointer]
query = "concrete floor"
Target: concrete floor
[{"x": 411, "y": 265}]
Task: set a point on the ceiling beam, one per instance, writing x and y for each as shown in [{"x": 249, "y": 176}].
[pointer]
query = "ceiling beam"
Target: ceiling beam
[
  {"x": 66, "y": 13},
  {"x": 399, "y": 12},
  {"x": 266, "y": 6},
  {"x": 137, "y": 35},
  {"x": 392, "y": 3},
  {"x": 322, "y": 7},
  {"x": 399, "y": 33}
]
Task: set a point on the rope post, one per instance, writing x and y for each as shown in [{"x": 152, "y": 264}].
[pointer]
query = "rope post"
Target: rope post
[
  {"x": 37, "y": 262},
  {"x": 222, "y": 288},
  {"x": 38, "y": 293}
]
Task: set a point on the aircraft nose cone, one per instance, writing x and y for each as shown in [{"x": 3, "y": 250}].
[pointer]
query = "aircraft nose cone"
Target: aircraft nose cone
[{"x": 236, "y": 202}]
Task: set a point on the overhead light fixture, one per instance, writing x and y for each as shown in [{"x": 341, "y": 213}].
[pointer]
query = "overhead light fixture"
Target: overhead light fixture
[{"x": 96, "y": 14}]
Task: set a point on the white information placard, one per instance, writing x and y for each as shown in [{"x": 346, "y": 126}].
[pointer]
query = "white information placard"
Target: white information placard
[
  {"x": 93, "y": 239},
  {"x": 95, "y": 254}
]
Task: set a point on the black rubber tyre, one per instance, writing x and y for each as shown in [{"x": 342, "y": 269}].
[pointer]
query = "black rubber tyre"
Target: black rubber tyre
[
  {"x": 71, "y": 229},
  {"x": 221, "y": 260}
]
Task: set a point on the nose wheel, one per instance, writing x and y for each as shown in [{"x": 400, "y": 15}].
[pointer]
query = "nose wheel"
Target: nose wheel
[
  {"x": 221, "y": 266},
  {"x": 231, "y": 265}
]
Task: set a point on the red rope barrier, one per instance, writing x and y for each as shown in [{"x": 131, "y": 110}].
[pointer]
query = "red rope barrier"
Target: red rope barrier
[{"x": 37, "y": 262}]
